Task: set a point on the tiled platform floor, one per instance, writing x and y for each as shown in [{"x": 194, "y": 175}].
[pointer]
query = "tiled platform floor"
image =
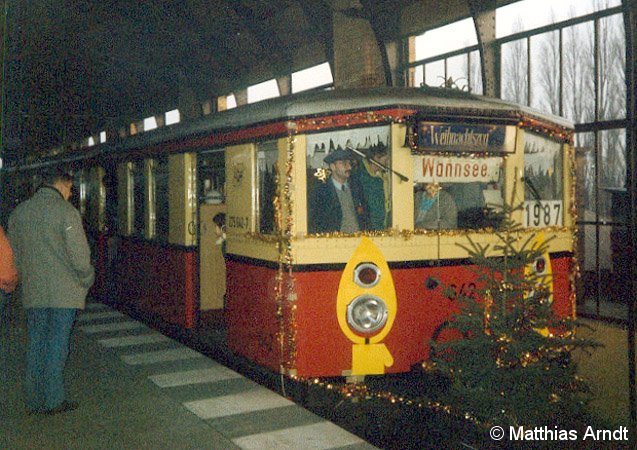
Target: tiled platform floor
[{"x": 138, "y": 389}]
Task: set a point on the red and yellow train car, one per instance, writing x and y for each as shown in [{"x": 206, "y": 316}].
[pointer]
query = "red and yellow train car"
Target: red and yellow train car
[{"x": 433, "y": 167}]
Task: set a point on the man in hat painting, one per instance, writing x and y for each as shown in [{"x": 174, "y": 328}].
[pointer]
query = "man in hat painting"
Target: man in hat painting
[{"x": 338, "y": 204}]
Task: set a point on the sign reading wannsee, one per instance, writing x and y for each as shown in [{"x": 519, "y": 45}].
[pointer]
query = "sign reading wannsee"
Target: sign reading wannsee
[
  {"x": 446, "y": 169},
  {"x": 453, "y": 137}
]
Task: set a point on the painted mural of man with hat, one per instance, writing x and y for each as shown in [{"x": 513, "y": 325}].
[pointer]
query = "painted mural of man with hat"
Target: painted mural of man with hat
[{"x": 338, "y": 205}]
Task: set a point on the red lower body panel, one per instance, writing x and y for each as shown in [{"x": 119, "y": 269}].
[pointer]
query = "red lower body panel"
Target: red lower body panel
[
  {"x": 300, "y": 330},
  {"x": 161, "y": 280}
]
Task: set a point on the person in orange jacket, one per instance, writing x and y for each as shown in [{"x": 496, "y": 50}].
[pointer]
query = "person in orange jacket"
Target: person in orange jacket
[{"x": 8, "y": 272}]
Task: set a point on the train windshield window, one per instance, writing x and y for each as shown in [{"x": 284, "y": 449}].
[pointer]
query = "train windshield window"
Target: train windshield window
[
  {"x": 456, "y": 192},
  {"x": 267, "y": 155},
  {"x": 543, "y": 181},
  {"x": 349, "y": 181}
]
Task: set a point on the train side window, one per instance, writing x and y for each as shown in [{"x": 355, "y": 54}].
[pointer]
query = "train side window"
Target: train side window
[
  {"x": 543, "y": 181},
  {"x": 94, "y": 201},
  {"x": 138, "y": 198},
  {"x": 368, "y": 178},
  {"x": 80, "y": 189},
  {"x": 267, "y": 156},
  {"x": 454, "y": 192},
  {"x": 111, "y": 200},
  {"x": 212, "y": 177},
  {"x": 160, "y": 176}
]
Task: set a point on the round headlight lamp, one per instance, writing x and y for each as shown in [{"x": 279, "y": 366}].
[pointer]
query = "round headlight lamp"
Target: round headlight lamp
[
  {"x": 540, "y": 265},
  {"x": 367, "y": 314},
  {"x": 366, "y": 275}
]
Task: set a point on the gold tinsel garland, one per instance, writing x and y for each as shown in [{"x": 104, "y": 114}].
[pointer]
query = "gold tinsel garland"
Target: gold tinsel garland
[
  {"x": 360, "y": 391},
  {"x": 408, "y": 234},
  {"x": 284, "y": 282}
]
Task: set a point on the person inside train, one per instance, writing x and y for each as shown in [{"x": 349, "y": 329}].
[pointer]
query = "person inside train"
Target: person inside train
[
  {"x": 338, "y": 205},
  {"x": 375, "y": 183},
  {"x": 219, "y": 221},
  {"x": 434, "y": 208}
]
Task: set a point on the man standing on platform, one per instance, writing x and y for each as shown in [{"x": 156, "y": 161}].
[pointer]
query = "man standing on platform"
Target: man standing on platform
[{"x": 54, "y": 266}]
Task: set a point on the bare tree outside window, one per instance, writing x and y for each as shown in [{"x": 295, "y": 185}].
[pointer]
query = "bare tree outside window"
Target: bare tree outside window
[
  {"x": 515, "y": 68},
  {"x": 545, "y": 72},
  {"x": 578, "y": 72},
  {"x": 612, "y": 68}
]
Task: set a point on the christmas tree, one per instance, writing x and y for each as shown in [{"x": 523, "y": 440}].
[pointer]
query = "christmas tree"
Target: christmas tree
[{"x": 513, "y": 365}]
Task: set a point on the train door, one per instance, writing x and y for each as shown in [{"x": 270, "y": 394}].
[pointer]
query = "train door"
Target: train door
[{"x": 212, "y": 269}]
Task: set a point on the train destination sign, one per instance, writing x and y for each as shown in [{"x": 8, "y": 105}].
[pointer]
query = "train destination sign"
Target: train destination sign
[
  {"x": 454, "y": 137},
  {"x": 440, "y": 169}
]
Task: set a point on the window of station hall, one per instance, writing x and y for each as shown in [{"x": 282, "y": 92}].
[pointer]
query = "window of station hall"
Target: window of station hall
[
  {"x": 263, "y": 91},
  {"x": 567, "y": 57},
  {"x": 312, "y": 77}
]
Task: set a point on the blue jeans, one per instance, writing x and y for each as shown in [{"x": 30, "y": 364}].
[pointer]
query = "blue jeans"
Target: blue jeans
[{"x": 49, "y": 331}]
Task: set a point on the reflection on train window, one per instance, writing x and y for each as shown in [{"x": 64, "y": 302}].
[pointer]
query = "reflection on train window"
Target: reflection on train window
[
  {"x": 212, "y": 177},
  {"x": 78, "y": 193},
  {"x": 267, "y": 155},
  {"x": 160, "y": 177},
  {"x": 109, "y": 183},
  {"x": 138, "y": 198},
  {"x": 543, "y": 181},
  {"x": 94, "y": 201},
  {"x": 368, "y": 180},
  {"x": 457, "y": 193}
]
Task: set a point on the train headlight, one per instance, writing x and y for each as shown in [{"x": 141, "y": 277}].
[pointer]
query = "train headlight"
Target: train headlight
[
  {"x": 367, "y": 314},
  {"x": 367, "y": 275},
  {"x": 539, "y": 265}
]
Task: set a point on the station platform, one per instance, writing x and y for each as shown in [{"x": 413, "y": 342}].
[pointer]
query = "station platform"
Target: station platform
[{"x": 139, "y": 389}]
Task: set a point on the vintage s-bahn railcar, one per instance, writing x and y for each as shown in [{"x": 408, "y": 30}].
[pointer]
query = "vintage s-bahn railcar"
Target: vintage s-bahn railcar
[{"x": 306, "y": 302}]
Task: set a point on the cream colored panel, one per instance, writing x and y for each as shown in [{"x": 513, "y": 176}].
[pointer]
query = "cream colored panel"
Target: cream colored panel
[
  {"x": 182, "y": 199},
  {"x": 402, "y": 191},
  {"x": 240, "y": 196},
  {"x": 212, "y": 267},
  {"x": 245, "y": 245},
  {"x": 298, "y": 187}
]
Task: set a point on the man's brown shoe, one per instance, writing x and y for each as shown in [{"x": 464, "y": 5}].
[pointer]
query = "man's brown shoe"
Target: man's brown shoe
[{"x": 62, "y": 407}]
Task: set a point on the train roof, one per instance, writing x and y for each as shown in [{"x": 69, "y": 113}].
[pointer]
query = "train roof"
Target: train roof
[
  {"x": 434, "y": 102},
  {"x": 326, "y": 102}
]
